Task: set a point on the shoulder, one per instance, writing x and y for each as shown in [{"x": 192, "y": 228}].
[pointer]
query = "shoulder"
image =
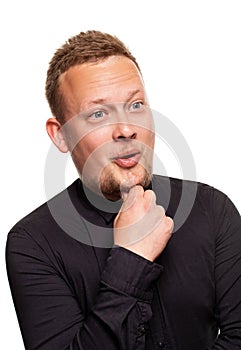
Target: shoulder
[
  {"x": 178, "y": 187},
  {"x": 195, "y": 200},
  {"x": 44, "y": 220}
]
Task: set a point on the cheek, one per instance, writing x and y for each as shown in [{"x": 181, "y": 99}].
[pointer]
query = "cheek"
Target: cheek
[
  {"x": 152, "y": 141},
  {"x": 148, "y": 138},
  {"x": 93, "y": 144},
  {"x": 89, "y": 149}
]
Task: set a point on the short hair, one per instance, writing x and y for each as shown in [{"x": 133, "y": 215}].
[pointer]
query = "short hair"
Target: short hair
[{"x": 90, "y": 46}]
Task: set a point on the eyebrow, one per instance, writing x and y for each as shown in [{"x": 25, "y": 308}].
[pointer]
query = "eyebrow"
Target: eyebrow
[{"x": 129, "y": 96}]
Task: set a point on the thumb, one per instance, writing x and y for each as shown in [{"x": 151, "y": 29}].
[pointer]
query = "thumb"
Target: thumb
[
  {"x": 129, "y": 198},
  {"x": 124, "y": 196}
]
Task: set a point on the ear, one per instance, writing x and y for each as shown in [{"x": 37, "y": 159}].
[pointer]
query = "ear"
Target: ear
[{"x": 56, "y": 134}]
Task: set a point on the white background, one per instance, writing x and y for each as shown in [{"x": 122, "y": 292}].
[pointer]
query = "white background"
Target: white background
[{"x": 189, "y": 52}]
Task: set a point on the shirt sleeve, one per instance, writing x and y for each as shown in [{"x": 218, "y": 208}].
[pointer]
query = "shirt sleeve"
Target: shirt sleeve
[
  {"x": 49, "y": 313},
  {"x": 227, "y": 226}
]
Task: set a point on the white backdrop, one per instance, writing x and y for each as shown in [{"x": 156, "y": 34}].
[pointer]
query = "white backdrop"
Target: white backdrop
[{"x": 189, "y": 52}]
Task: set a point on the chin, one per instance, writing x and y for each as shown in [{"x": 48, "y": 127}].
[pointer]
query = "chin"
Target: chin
[{"x": 112, "y": 183}]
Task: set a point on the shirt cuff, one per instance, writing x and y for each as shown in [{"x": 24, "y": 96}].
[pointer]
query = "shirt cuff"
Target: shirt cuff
[{"x": 130, "y": 273}]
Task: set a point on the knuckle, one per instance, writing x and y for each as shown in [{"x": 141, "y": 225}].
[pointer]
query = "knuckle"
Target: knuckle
[
  {"x": 149, "y": 194},
  {"x": 169, "y": 223},
  {"x": 138, "y": 188},
  {"x": 161, "y": 210}
]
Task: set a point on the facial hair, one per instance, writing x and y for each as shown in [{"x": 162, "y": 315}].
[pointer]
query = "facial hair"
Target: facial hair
[{"x": 111, "y": 186}]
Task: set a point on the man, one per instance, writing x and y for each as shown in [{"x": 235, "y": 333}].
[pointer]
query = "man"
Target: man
[{"x": 97, "y": 267}]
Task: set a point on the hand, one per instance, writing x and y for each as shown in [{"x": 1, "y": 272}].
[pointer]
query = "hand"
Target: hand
[{"x": 141, "y": 225}]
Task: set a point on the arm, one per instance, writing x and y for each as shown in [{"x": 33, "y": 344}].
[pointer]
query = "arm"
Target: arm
[
  {"x": 227, "y": 225},
  {"x": 50, "y": 316}
]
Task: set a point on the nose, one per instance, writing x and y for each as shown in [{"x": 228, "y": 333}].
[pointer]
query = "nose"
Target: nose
[{"x": 124, "y": 131}]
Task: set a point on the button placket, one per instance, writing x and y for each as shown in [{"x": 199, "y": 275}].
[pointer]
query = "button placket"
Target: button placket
[{"x": 161, "y": 345}]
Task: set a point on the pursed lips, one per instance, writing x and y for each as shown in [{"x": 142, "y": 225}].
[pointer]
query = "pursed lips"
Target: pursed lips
[{"x": 127, "y": 159}]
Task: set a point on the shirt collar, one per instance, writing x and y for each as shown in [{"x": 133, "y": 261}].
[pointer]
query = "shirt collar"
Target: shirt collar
[
  {"x": 106, "y": 209},
  {"x": 103, "y": 207}
]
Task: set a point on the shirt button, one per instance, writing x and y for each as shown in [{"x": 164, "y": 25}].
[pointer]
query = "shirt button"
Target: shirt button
[
  {"x": 141, "y": 329},
  {"x": 161, "y": 344}
]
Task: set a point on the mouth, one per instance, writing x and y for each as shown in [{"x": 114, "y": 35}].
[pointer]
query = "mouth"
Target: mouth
[{"x": 127, "y": 160}]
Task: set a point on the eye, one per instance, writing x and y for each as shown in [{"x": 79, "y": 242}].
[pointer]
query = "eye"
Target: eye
[
  {"x": 97, "y": 115},
  {"x": 136, "y": 106}
]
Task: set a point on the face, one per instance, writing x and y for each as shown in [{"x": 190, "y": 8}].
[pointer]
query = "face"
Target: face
[{"x": 109, "y": 126}]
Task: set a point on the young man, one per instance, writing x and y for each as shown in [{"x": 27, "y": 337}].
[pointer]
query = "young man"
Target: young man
[{"x": 97, "y": 266}]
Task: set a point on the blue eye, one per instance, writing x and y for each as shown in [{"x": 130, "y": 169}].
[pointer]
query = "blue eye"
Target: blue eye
[
  {"x": 97, "y": 115},
  {"x": 136, "y": 106}
]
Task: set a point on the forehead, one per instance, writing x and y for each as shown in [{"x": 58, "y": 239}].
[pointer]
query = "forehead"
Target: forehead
[{"x": 110, "y": 80}]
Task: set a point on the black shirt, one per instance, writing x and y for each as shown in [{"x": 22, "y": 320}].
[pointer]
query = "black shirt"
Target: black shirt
[{"x": 73, "y": 290}]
